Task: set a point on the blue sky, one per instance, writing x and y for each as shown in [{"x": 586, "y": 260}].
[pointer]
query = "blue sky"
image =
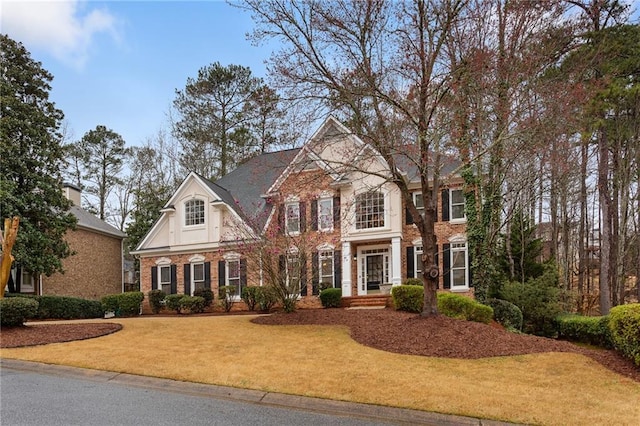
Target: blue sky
[{"x": 118, "y": 63}]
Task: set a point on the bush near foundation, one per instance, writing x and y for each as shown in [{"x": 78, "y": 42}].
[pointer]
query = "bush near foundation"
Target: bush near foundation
[
  {"x": 63, "y": 307},
  {"x": 413, "y": 281},
  {"x": 192, "y": 304},
  {"x": 265, "y": 298},
  {"x": 156, "y": 299},
  {"x": 461, "y": 307},
  {"x": 624, "y": 324},
  {"x": 172, "y": 302},
  {"x": 506, "y": 313},
  {"x": 331, "y": 297},
  {"x": 206, "y": 294},
  {"x": 408, "y": 298},
  {"x": 14, "y": 311},
  {"x": 123, "y": 304},
  {"x": 249, "y": 297},
  {"x": 590, "y": 330}
]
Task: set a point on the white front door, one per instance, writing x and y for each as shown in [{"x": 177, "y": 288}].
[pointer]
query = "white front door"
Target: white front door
[{"x": 373, "y": 269}]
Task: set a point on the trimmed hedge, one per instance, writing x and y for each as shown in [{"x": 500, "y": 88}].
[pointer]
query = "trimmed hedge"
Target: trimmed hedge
[
  {"x": 265, "y": 298},
  {"x": 578, "y": 328},
  {"x": 123, "y": 304},
  {"x": 156, "y": 299},
  {"x": 506, "y": 313},
  {"x": 408, "y": 298},
  {"x": 624, "y": 323},
  {"x": 172, "y": 302},
  {"x": 461, "y": 307},
  {"x": 249, "y": 296},
  {"x": 206, "y": 294},
  {"x": 14, "y": 311},
  {"x": 192, "y": 304},
  {"x": 64, "y": 307},
  {"x": 413, "y": 281},
  {"x": 331, "y": 297}
]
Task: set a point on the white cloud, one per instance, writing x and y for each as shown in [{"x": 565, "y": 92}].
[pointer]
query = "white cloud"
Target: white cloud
[{"x": 65, "y": 29}]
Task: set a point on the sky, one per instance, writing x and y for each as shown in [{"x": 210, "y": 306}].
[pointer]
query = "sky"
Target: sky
[{"x": 118, "y": 63}]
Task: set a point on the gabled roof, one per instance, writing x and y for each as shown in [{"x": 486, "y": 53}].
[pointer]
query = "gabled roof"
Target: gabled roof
[
  {"x": 90, "y": 222},
  {"x": 247, "y": 184}
]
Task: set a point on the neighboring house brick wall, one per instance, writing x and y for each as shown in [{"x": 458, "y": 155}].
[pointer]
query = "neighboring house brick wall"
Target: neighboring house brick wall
[{"x": 94, "y": 271}]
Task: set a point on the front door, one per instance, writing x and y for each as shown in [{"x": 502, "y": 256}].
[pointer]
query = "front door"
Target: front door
[{"x": 373, "y": 270}]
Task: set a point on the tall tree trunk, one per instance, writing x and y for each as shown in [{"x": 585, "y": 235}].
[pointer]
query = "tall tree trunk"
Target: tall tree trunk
[
  {"x": 582, "y": 233},
  {"x": 605, "y": 224}
]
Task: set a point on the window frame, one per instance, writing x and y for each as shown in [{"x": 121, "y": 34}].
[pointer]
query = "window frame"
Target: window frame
[
  {"x": 460, "y": 249},
  {"x": 292, "y": 265},
  {"x": 371, "y": 215},
  {"x": 194, "y": 212},
  {"x": 417, "y": 261},
  {"x": 326, "y": 255},
  {"x": 161, "y": 283},
  {"x": 195, "y": 281},
  {"x": 229, "y": 279},
  {"x": 288, "y": 221},
  {"x": 462, "y": 218},
  {"x": 328, "y": 215}
]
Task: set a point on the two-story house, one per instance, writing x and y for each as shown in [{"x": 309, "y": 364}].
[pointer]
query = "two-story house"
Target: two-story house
[{"x": 332, "y": 196}]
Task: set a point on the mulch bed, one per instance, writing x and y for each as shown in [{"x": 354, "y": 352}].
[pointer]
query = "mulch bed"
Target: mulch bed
[{"x": 385, "y": 329}]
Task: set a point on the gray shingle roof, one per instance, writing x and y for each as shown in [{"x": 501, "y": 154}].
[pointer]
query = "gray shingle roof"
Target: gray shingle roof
[
  {"x": 243, "y": 187},
  {"x": 88, "y": 221}
]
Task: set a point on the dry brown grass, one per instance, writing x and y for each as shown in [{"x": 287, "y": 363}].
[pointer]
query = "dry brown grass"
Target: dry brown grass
[{"x": 323, "y": 361}]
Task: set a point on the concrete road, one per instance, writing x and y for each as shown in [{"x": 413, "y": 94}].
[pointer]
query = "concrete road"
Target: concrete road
[{"x": 41, "y": 394}]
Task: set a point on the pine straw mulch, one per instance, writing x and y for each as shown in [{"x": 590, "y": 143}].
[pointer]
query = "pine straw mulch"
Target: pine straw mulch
[{"x": 385, "y": 329}]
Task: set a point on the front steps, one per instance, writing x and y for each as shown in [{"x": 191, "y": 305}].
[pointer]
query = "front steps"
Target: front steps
[{"x": 364, "y": 302}]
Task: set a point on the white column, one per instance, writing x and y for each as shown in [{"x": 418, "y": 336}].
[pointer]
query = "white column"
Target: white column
[
  {"x": 346, "y": 269},
  {"x": 396, "y": 261}
]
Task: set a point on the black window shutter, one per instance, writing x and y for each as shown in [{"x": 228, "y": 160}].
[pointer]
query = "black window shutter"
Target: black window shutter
[
  {"x": 154, "y": 278},
  {"x": 337, "y": 269},
  {"x": 336, "y": 212},
  {"x": 446, "y": 265},
  {"x": 222, "y": 279},
  {"x": 174, "y": 279},
  {"x": 303, "y": 276},
  {"x": 470, "y": 275},
  {"x": 408, "y": 217},
  {"x": 207, "y": 275},
  {"x": 410, "y": 263},
  {"x": 314, "y": 215},
  {"x": 435, "y": 210},
  {"x": 243, "y": 275},
  {"x": 445, "y": 205},
  {"x": 187, "y": 279},
  {"x": 281, "y": 221},
  {"x": 315, "y": 273},
  {"x": 303, "y": 216}
]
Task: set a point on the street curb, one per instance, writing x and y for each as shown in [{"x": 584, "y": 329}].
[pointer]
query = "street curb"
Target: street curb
[{"x": 318, "y": 405}]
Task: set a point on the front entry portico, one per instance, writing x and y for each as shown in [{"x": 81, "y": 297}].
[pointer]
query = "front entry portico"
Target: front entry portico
[{"x": 374, "y": 268}]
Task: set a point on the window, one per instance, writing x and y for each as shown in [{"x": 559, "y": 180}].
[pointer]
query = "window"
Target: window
[
  {"x": 459, "y": 265},
  {"x": 457, "y": 204},
  {"x": 233, "y": 275},
  {"x": 293, "y": 272},
  {"x": 417, "y": 261},
  {"x": 194, "y": 212},
  {"x": 292, "y": 217},
  {"x": 325, "y": 214},
  {"x": 370, "y": 210},
  {"x": 164, "y": 273},
  {"x": 418, "y": 201},
  {"x": 197, "y": 275},
  {"x": 326, "y": 276}
]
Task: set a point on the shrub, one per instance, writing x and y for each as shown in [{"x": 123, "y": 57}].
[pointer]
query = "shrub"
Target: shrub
[
  {"x": 539, "y": 301},
  {"x": 249, "y": 296},
  {"x": 172, "y": 302},
  {"x": 14, "y": 311},
  {"x": 227, "y": 296},
  {"x": 461, "y": 307},
  {"x": 265, "y": 298},
  {"x": 331, "y": 297},
  {"x": 408, "y": 298},
  {"x": 192, "y": 304},
  {"x": 206, "y": 294},
  {"x": 123, "y": 304},
  {"x": 413, "y": 281},
  {"x": 156, "y": 297},
  {"x": 624, "y": 325},
  {"x": 578, "y": 328},
  {"x": 62, "y": 307},
  {"x": 506, "y": 313}
]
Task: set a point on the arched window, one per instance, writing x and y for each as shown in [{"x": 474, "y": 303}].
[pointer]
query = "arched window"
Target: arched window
[
  {"x": 194, "y": 212},
  {"x": 370, "y": 210}
]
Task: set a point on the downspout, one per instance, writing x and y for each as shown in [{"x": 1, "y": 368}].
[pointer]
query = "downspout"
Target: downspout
[
  {"x": 122, "y": 265},
  {"x": 40, "y": 284}
]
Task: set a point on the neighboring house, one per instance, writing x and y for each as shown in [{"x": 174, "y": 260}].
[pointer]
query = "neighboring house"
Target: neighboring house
[
  {"x": 353, "y": 224},
  {"x": 96, "y": 267}
]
